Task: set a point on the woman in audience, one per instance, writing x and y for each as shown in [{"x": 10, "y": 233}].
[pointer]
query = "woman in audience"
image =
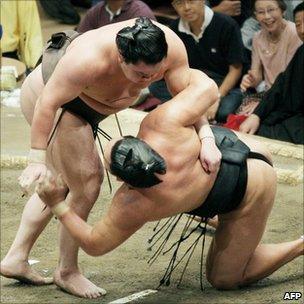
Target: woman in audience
[{"x": 273, "y": 46}]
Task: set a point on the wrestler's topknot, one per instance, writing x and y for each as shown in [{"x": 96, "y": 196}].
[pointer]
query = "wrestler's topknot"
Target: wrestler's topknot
[{"x": 144, "y": 42}]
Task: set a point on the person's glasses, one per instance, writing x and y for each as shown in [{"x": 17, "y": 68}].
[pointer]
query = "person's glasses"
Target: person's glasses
[
  {"x": 180, "y": 3},
  {"x": 269, "y": 11}
]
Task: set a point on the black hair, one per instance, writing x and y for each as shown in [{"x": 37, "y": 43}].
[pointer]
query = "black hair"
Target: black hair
[
  {"x": 142, "y": 42},
  {"x": 298, "y": 8},
  {"x": 135, "y": 162},
  {"x": 282, "y": 5}
]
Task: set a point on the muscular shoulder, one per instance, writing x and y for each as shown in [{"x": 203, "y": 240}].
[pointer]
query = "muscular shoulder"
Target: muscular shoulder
[{"x": 87, "y": 58}]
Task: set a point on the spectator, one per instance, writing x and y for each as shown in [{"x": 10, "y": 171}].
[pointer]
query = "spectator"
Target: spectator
[
  {"x": 251, "y": 25},
  {"x": 111, "y": 11},
  {"x": 214, "y": 46},
  {"x": 299, "y": 20},
  {"x": 22, "y": 37},
  {"x": 238, "y": 10},
  {"x": 273, "y": 46},
  {"x": 280, "y": 114}
]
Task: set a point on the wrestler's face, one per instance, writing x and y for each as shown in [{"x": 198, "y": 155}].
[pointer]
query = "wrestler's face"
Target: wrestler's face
[
  {"x": 299, "y": 21},
  {"x": 190, "y": 10},
  {"x": 269, "y": 15},
  {"x": 141, "y": 73}
]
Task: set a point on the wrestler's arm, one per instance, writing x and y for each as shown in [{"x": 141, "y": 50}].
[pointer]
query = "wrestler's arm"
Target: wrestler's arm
[
  {"x": 193, "y": 93},
  {"x": 66, "y": 83},
  {"x": 107, "y": 234},
  {"x": 125, "y": 216}
]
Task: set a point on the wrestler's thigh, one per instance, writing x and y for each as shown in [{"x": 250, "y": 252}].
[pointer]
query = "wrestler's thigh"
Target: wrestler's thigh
[
  {"x": 240, "y": 231},
  {"x": 73, "y": 153}
]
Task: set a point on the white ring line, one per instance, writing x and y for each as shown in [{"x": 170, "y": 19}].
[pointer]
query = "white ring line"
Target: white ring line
[{"x": 133, "y": 296}]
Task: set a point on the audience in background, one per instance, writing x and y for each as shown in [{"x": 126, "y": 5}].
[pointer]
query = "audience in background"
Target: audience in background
[
  {"x": 299, "y": 20},
  {"x": 62, "y": 10},
  {"x": 238, "y": 10},
  {"x": 111, "y": 11},
  {"x": 273, "y": 46},
  {"x": 280, "y": 114},
  {"x": 214, "y": 46},
  {"x": 251, "y": 25},
  {"x": 22, "y": 37}
]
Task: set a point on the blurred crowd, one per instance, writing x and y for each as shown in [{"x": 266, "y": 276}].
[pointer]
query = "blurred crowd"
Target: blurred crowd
[{"x": 252, "y": 49}]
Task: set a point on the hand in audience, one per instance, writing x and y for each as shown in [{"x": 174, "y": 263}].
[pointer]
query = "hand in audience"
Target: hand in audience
[
  {"x": 249, "y": 81},
  {"x": 229, "y": 7},
  {"x": 251, "y": 124}
]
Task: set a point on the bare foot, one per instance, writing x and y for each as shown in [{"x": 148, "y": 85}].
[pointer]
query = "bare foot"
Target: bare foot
[
  {"x": 78, "y": 285},
  {"x": 23, "y": 272}
]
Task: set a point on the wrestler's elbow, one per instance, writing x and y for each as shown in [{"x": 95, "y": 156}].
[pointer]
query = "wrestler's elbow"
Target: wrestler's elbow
[
  {"x": 208, "y": 90},
  {"x": 212, "y": 91}
]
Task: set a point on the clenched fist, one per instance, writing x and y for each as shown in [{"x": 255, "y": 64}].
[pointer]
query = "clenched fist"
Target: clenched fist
[{"x": 52, "y": 191}]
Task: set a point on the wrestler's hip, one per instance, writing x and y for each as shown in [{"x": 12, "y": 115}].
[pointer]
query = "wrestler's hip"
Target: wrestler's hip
[{"x": 261, "y": 185}]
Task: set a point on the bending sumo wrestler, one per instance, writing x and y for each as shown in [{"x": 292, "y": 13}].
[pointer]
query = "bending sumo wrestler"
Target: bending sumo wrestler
[
  {"x": 82, "y": 81},
  {"x": 163, "y": 177}
]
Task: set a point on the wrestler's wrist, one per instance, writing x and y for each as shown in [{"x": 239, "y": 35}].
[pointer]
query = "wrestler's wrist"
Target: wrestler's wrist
[
  {"x": 207, "y": 137},
  {"x": 37, "y": 156},
  {"x": 60, "y": 209}
]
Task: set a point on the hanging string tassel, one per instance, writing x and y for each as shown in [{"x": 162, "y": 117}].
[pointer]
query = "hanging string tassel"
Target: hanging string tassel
[
  {"x": 202, "y": 253},
  {"x": 107, "y": 173},
  {"x": 162, "y": 245},
  {"x": 167, "y": 228},
  {"x": 118, "y": 125}
]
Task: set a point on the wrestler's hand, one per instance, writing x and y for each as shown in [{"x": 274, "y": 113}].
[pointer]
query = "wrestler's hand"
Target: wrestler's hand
[
  {"x": 50, "y": 190},
  {"x": 250, "y": 125},
  {"x": 33, "y": 172},
  {"x": 210, "y": 155}
]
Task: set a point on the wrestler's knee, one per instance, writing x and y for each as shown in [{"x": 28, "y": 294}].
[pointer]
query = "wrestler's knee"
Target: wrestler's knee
[{"x": 223, "y": 282}]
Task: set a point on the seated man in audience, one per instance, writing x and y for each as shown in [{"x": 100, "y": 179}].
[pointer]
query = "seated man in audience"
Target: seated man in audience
[
  {"x": 111, "y": 11},
  {"x": 214, "y": 46}
]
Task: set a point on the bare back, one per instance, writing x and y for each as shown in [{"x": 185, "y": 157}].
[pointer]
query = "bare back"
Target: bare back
[{"x": 186, "y": 185}]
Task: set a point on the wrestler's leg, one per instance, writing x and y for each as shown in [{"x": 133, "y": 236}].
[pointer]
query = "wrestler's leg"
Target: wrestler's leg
[
  {"x": 15, "y": 264},
  {"x": 235, "y": 256},
  {"x": 74, "y": 154},
  {"x": 33, "y": 220}
]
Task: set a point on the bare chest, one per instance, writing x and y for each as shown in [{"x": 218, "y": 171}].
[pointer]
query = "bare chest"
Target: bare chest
[{"x": 108, "y": 96}]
